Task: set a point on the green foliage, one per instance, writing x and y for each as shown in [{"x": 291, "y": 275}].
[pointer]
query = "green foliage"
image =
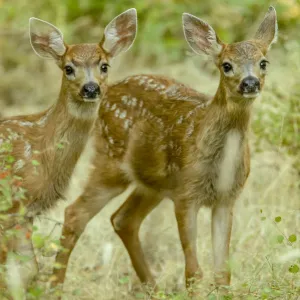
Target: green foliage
[
  {"x": 294, "y": 269},
  {"x": 278, "y": 219},
  {"x": 160, "y": 30},
  {"x": 292, "y": 238}
]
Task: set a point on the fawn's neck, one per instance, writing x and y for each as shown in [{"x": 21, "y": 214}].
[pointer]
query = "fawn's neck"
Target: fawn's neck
[
  {"x": 223, "y": 116},
  {"x": 67, "y": 127},
  {"x": 234, "y": 113}
]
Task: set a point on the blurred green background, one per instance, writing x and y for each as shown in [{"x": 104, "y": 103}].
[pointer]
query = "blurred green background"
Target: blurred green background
[{"x": 159, "y": 20}]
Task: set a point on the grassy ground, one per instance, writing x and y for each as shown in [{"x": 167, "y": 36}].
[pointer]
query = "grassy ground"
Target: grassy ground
[{"x": 264, "y": 253}]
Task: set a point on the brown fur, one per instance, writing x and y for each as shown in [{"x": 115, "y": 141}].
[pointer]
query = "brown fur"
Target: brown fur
[
  {"x": 170, "y": 141},
  {"x": 46, "y": 146},
  {"x": 55, "y": 139}
]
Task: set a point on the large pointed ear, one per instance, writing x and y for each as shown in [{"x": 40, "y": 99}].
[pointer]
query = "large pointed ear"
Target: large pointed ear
[
  {"x": 200, "y": 36},
  {"x": 46, "y": 40},
  {"x": 120, "y": 33},
  {"x": 267, "y": 31}
]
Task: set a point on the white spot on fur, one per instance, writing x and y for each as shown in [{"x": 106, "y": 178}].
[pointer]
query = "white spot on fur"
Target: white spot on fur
[
  {"x": 106, "y": 129},
  {"x": 144, "y": 111},
  {"x": 190, "y": 129},
  {"x": 230, "y": 157},
  {"x": 107, "y": 106},
  {"x": 19, "y": 164},
  {"x": 124, "y": 99},
  {"x": 27, "y": 150},
  {"x": 113, "y": 107},
  {"x": 123, "y": 114},
  {"x": 117, "y": 113},
  {"x": 133, "y": 102},
  {"x": 42, "y": 121},
  {"x": 179, "y": 120},
  {"x": 20, "y": 123},
  {"x": 126, "y": 124},
  {"x": 111, "y": 140}
]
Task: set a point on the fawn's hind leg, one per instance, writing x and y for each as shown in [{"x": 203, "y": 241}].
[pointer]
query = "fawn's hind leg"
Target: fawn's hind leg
[{"x": 127, "y": 221}]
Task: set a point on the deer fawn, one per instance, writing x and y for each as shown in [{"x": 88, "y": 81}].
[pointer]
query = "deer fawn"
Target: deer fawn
[
  {"x": 168, "y": 140},
  {"x": 47, "y": 145}
]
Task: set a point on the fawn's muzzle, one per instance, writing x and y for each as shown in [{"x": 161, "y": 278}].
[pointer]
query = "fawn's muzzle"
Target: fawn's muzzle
[
  {"x": 90, "y": 90},
  {"x": 250, "y": 85}
]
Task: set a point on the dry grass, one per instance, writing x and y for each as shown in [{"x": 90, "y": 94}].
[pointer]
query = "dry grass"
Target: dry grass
[{"x": 100, "y": 267}]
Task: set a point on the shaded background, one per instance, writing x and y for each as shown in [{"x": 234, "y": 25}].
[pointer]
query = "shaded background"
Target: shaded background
[{"x": 262, "y": 254}]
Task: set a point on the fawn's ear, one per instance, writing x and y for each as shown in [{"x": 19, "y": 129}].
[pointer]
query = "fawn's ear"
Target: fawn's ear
[
  {"x": 268, "y": 29},
  {"x": 200, "y": 36},
  {"x": 46, "y": 40},
  {"x": 120, "y": 33}
]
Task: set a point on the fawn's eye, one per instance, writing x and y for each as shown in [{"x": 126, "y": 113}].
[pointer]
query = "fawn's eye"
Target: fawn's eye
[
  {"x": 104, "y": 68},
  {"x": 69, "y": 70},
  {"x": 263, "y": 64},
  {"x": 227, "y": 67}
]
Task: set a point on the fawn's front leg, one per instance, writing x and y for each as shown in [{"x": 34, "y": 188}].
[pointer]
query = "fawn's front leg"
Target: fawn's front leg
[
  {"x": 221, "y": 225},
  {"x": 77, "y": 216},
  {"x": 186, "y": 216}
]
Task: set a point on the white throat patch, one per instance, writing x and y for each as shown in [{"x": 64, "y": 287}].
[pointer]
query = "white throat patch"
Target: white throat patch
[{"x": 230, "y": 158}]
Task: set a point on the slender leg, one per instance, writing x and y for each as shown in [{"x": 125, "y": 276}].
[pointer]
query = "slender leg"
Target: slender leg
[
  {"x": 221, "y": 232},
  {"x": 77, "y": 216},
  {"x": 127, "y": 221},
  {"x": 186, "y": 216}
]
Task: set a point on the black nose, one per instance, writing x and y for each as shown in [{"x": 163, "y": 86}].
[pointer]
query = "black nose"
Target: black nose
[
  {"x": 250, "y": 84},
  {"x": 90, "y": 90}
]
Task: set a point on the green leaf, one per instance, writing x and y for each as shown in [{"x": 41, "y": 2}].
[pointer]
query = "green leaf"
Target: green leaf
[
  {"x": 35, "y": 162},
  {"x": 38, "y": 241},
  {"x": 280, "y": 239},
  {"x": 60, "y": 146},
  {"x": 124, "y": 280},
  {"x": 76, "y": 292},
  {"x": 278, "y": 219},
  {"x": 36, "y": 291},
  {"x": 292, "y": 238},
  {"x": 294, "y": 269},
  {"x": 10, "y": 159}
]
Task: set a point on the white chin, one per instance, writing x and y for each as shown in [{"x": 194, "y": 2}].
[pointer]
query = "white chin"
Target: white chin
[
  {"x": 91, "y": 100},
  {"x": 251, "y": 95}
]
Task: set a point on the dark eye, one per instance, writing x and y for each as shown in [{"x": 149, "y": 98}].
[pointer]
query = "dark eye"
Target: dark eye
[
  {"x": 263, "y": 64},
  {"x": 104, "y": 68},
  {"x": 69, "y": 70},
  {"x": 227, "y": 67}
]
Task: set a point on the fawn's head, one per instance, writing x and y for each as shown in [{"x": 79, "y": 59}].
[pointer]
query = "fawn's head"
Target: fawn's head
[
  {"x": 85, "y": 66},
  {"x": 242, "y": 65}
]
